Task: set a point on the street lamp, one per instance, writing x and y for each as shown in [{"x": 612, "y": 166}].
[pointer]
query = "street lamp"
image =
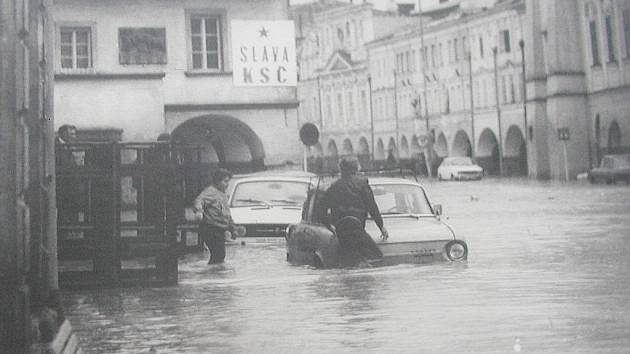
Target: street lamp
[
  {"x": 521, "y": 44},
  {"x": 472, "y": 104},
  {"x": 496, "y": 90},
  {"x": 369, "y": 80},
  {"x": 428, "y": 145}
]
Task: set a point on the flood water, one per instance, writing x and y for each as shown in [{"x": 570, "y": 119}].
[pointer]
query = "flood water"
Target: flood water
[{"x": 548, "y": 272}]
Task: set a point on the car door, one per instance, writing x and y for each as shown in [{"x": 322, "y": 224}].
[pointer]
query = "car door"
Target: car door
[{"x": 310, "y": 237}]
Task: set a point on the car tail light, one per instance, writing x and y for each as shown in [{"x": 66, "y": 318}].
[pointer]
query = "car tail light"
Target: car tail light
[{"x": 457, "y": 250}]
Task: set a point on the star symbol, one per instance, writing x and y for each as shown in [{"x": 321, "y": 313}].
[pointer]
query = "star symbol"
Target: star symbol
[{"x": 263, "y": 32}]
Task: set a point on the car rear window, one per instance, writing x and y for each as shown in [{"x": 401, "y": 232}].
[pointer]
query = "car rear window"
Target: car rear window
[{"x": 269, "y": 193}]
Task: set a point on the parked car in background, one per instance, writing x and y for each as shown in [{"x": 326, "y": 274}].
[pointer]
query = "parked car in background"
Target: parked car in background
[
  {"x": 417, "y": 233},
  {"x": 266, "y": 203},
  {"x": 459, "y": 168},
  {"x": 612, "y": 168}
]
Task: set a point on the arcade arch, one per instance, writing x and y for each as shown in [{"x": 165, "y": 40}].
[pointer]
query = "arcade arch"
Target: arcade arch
[
  {"x": 364, "y": 148},
  {"x": 332, "y": 149},
  {"x": 347, "y": 148},
  {"x": 391, "y": 147},
  {"x": 404, "y": 148},
  {"x": 515, "y": 155},
  {"x": 223, "y": 140},
  {"x": 441, "y": 146},
  {"x": 488, "y": 152},
  {"x": 332, "y": 156},
  {"x": 614, "y": 135},
  {"x": 363, "y": 153},
  {"x": 415, "y": 146},
  {"x": 379, "y": 153},
  {"x": 316, "y": 150},
  {"x": 461, "y": 144}
]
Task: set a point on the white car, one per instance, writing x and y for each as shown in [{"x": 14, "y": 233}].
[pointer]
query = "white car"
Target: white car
[
  {"x": 459, "y": 168},
  {"x": 265, "y": 204},
  {"x": 417, "y": 233}
]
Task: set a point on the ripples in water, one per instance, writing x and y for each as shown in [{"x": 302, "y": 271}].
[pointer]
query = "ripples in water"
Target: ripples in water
[{"x": 547, "y": 273}]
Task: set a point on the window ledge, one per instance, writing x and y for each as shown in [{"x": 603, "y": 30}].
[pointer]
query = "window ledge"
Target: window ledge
[
  {"x": 60, "y": 76},
  {"x": 190, "y": 73}
]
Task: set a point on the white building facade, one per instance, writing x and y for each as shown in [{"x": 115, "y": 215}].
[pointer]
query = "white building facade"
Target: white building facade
[
  {"x": 372, "y": 97},
  {"x": 334, "y": 88},
  {"x": 439, "y": 73},
  {"x": 578, "y": 81},
  {"x": 561, "y": 78},
  {"x": 150, "y": 68}
]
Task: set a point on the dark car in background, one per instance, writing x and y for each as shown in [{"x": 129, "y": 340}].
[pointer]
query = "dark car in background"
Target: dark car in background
[{"x": 613, "y": 168}]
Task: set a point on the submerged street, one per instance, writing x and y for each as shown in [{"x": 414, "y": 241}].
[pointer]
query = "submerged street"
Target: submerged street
[{"x": 547, "y": 272}]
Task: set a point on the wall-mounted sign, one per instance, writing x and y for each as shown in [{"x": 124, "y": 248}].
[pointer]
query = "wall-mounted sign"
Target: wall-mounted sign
[
  {"x": 563, "y": 134},
  {"x": 139, "y": 46},
  {"x": 263, "y": 53}
]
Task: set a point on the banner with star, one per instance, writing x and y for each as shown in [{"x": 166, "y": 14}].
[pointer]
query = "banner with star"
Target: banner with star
[{"x": 263, "y": 53}]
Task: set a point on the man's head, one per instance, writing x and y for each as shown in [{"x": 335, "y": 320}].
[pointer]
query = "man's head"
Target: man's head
[
  {"x": 68, "y": 132},
  {"x": 348, "y": 165},
  {"x": 221, "y": 178}
]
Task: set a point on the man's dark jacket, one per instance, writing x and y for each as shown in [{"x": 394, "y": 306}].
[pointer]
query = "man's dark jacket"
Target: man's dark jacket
[{"x": 351, "y": 196}]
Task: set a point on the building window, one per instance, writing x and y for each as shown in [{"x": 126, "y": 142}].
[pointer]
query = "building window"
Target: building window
[
  {"x": 465, "y": 48},
  {"x": 456, "y": 49},
  {"x": 142, "y": 46},
  {"x": 594, "y": 43},
  {"x": 626, "y": 30},
  {"x": 512, "y": 93},
  {"x": 610, "y": 39},
  {"x": 205, "y": 42},
  {"x": 449, "y": 44},
  {"x": 505, "y": 41},
  {"x": 340, "y": 35},
  {"x": 350, "y": 105},
  {"x": 340, "y": 115},
  {"x": 425, "y": 61},
  {"x": 329, "y": 112},
  {"x": 75, "y": 47}
]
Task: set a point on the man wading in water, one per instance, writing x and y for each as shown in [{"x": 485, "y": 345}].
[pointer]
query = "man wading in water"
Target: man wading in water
[
  {"x": 350, "y": 200},
  {"x": 211, "y": 207}
]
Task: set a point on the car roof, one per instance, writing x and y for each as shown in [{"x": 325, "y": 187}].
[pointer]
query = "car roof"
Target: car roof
[
  {"x": 267, "y": 178},
  {"x": 615, "y": 156},
  {"x": 277, "y": 173},
  {"x": 392, "y": 180}
]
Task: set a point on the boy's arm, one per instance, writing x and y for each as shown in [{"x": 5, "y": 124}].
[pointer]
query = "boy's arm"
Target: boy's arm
[{"x": 198, "y": 205}]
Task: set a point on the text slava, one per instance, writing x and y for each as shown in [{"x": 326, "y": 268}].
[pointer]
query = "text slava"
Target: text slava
[{"x": 264, "y": 53}]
